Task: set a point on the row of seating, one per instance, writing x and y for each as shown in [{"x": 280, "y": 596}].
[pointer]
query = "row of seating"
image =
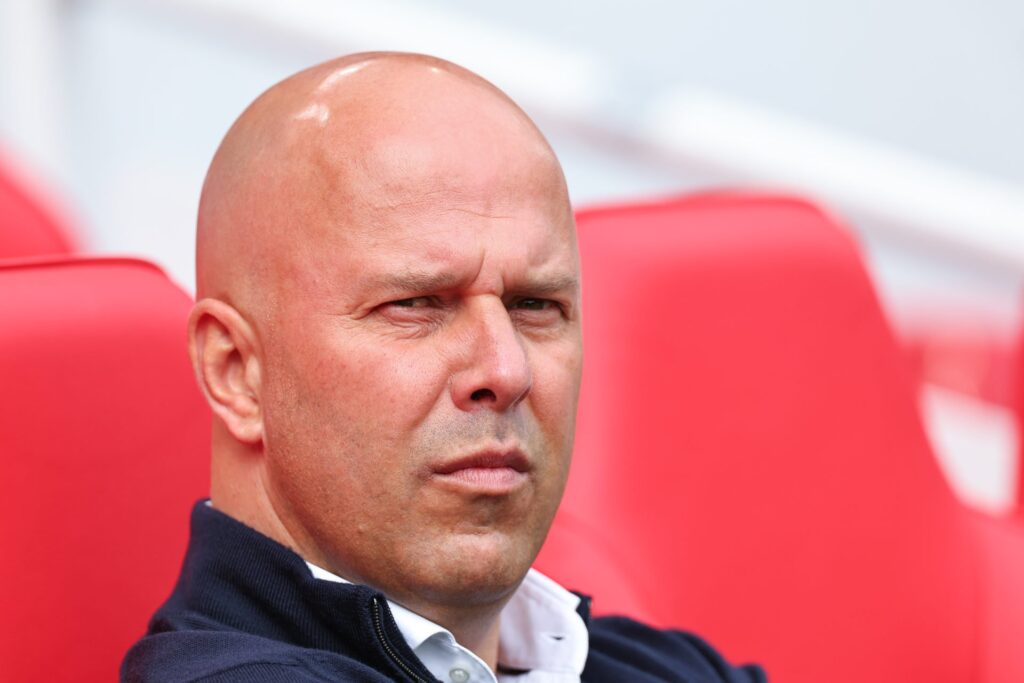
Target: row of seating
[{"x": 750, "y": 463}]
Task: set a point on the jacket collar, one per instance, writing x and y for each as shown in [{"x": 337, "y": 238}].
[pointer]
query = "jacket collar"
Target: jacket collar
[{"x": 235, "y": 577}]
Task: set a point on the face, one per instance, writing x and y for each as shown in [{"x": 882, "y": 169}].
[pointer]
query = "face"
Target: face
[{"x": 422, "y": 366}]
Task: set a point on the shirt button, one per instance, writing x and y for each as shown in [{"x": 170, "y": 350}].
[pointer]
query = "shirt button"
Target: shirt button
[{"x": 458, "y": 675}]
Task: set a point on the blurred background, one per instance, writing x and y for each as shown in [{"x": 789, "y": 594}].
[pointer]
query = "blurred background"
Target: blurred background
[{"x": 902, "y": 117}]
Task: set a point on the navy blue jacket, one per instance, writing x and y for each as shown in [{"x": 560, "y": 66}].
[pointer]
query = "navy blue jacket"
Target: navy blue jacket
[{"x": 246, "y": 608}]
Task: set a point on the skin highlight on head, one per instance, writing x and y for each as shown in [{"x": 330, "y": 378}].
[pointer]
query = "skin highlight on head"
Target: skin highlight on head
[{"x": 387, "y": 284}]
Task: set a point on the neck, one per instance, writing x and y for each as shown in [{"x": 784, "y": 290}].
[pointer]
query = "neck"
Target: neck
[
  {"x": 475, "y": 629},
  {"x": 237, "y": 489}
]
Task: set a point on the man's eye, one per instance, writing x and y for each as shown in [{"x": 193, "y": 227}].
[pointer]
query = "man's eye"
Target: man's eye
[
  {"x": 535, "y": 304},
  {"x": 415, "y": 302}
]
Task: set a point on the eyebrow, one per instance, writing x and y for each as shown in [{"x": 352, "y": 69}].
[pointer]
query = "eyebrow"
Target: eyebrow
[
  {"x": 547, "y": 286},
  {"x": 419, "y": 281},
  {"x": 415, "y": 281}
]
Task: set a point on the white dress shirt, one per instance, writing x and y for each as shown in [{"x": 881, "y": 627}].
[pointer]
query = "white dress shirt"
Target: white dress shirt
[{"x": 540, "y": 632}]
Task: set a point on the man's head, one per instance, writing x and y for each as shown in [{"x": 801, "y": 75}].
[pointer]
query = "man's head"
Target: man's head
[{"x": 388, "y": 327}]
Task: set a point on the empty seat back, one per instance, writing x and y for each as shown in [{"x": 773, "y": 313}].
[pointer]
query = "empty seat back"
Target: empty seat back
[
  {"x": 104, "y": 444},
  {"x": 749, "y": 461}
]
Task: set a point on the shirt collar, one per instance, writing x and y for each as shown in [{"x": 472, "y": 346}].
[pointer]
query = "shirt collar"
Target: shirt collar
[{"x": 540, "y": 631}]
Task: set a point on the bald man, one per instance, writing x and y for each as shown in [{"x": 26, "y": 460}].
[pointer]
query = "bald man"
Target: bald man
[{"x": 388, "y": 334}]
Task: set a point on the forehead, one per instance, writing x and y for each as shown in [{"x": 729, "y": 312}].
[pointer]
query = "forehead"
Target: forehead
[
  {"x": 425, "y": 206},
  {"x": 453, "y": 240},
  {"x": 435, "y": 174}
]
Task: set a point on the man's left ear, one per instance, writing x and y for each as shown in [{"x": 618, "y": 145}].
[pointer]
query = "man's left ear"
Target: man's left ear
[{"x": 223, "y": 352}]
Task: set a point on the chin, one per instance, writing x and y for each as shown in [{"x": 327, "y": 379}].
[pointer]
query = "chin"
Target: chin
[{"x": 477, "y": 569}]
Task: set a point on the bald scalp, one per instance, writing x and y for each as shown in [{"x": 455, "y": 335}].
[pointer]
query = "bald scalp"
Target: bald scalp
[{"x": 278, "y": 184}]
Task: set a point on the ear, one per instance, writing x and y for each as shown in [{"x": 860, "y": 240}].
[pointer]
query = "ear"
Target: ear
[{"x": 222, "y": 346}]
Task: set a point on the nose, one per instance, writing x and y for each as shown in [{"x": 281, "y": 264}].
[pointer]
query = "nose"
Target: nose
[{"x": 496, "y": 372}]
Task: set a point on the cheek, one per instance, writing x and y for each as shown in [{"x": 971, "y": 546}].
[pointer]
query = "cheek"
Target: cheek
[
  {"x": 391, "y": 388},
  {"x": 363, "y": 374},
  {"x": 338, "y": 429},
  {"x": 340, "y": 398},
  {"x": 556, "y": 384}
]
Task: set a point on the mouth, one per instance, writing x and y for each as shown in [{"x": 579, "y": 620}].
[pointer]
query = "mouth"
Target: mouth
[{"x": 490, "y": 472}]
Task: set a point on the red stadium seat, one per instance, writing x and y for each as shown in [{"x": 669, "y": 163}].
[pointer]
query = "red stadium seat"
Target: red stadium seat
[
  {"x": 104, "y": 444},
  {"x": 27, "y": 228},
  {"x": 1018, "y": 405},
  {"x": 1001, "y": 618},
  {"x": 750, "y": 462}
]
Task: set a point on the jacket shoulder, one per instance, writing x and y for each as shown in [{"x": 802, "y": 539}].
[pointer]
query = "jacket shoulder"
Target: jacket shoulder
[
  {"x": 235, "y": 657},
  {"x": 622, "y": 649}
]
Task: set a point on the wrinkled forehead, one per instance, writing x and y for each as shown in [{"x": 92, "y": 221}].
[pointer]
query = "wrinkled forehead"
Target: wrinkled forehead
[
  {"x": 416, "y": 178},
  {"x": 423, "y": 219},
  {"x": 467, "y": 166}
]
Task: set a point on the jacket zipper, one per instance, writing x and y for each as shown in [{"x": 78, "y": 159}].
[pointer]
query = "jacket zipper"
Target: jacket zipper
[{"x": 387, "y": 646}]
